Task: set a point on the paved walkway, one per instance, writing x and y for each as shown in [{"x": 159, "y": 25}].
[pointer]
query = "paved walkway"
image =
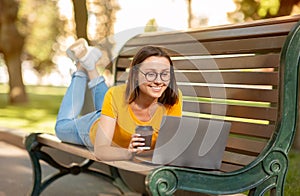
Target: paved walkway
[
  {"x": 16, "y": 172},
  {"x": 16, "y": 177}
]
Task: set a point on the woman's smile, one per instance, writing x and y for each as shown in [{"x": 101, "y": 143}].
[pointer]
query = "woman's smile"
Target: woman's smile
[{"x": 156, "y": 66}]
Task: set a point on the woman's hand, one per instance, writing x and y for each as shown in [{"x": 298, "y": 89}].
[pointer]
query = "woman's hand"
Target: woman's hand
[{"x": 135, "y": 142}]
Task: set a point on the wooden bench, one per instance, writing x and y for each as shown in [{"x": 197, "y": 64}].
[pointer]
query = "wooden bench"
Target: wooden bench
[{"x": 244, "y": 73}]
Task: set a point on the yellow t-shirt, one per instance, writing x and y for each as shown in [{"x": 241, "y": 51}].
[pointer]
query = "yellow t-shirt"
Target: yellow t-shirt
[{"x": 115, "y": 106}]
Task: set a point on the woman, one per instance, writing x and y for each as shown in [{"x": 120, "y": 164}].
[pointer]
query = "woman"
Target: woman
[{"x": 151, "y": 93}]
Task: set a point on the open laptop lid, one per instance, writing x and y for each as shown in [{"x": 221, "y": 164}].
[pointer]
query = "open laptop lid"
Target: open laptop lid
[{"x": 191, "y": 142}]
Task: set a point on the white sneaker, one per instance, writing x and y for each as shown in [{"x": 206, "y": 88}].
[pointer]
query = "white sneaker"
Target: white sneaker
[
  {"x": 77, "y": 50},
  {"x": 90, "y": 59},
  {"x": 86, "y": 55}
]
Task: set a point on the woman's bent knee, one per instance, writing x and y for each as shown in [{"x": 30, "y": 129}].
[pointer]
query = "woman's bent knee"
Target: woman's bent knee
[
  {"x": 66, "y": 131},
  {"x": 59, "y": 131}
]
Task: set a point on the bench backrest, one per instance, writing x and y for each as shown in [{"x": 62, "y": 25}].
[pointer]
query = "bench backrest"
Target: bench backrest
[{"x": 230, "y": 73}]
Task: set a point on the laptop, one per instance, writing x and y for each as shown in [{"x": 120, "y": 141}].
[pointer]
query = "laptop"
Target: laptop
[{"x": 191, "y": 142}]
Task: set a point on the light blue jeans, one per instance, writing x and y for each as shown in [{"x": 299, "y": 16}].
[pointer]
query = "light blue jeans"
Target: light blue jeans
[{"x": 70, "y": 126}]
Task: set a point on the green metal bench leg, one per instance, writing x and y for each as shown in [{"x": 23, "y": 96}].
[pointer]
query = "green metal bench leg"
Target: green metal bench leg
[
  {"x": 275, "y": 165},
  {"x": 37, "y": 183},
  {"x": 118, "y": 180},
  {"x": 34, "y": 149}
]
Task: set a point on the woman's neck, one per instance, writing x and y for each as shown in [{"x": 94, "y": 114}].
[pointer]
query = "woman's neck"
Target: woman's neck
[
  {"x": 144, "y": 102},
  {"x": 144, "y": 109}
]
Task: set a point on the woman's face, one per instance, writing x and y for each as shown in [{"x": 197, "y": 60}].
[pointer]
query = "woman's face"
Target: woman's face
[{"x": 154, "y": 76}]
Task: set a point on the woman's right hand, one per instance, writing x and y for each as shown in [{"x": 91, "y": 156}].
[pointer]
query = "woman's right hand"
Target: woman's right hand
[{"x": 135, "y": 142}]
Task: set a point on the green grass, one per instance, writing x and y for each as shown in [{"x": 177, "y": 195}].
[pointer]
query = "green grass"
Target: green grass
[
  {"x": 292, "y": 187},
  {"x": 39, "y": 115}
]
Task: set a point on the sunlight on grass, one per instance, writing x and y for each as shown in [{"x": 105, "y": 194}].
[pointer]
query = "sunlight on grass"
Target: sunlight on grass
[
  {"x": 41, "y": 90},
  {"x": 293, "y": 175},
  {"x": 3, "y": 88},
  {"x": 13, "y": 123},
  {"x": 38, "y": 115}
]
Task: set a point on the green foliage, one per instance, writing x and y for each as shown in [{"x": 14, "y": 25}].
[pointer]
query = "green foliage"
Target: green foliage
[
  {"x": 40, "y": 24},
  {"x": 268, "y": 6},
  {"x": 248, "y": 7},
  {"x": 151, "y": 26},
  {"x": 260, "y": 9}
]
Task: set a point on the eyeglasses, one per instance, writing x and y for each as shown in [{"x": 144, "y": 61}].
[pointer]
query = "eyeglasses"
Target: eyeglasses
[{"x": 151, "y": 76}]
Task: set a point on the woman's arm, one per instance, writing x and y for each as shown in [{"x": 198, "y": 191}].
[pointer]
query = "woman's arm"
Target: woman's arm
[{"x": 103, "y": 149}]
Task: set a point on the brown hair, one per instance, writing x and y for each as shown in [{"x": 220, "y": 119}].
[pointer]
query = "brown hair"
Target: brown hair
[{"x": 170, "y": 95}]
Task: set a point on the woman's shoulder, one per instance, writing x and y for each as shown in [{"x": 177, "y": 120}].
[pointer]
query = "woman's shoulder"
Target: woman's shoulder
[
  {"x": 120, "y": 87},
  {"x": 179, "y": 92},
  {"x": 117, "y": 90}
]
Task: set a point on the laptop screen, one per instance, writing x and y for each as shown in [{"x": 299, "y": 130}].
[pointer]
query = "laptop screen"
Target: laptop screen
[{"x": 191, "y": 142}]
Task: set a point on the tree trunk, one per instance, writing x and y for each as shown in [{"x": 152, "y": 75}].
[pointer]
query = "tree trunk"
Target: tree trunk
[
  {"x": 190, "y": 13},
  {"x": 81, "y": 18},
  {"x": 11, "y": 45},
  {"x": 17, "y": 92},
  {"x": 286, "y": 7}
]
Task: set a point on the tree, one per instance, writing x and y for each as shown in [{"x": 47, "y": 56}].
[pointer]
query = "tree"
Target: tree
[
  {"x": 28, "y": 30},
  {"x": 189, "y": 11},
  {"x": 11, "y": 45},
  {"x": 151, "y": 26},
  {"x": 104, "y": 11},
  {"x": 81, "y": 18},
  {"x": 261, "y": 9},
  {"x": 40, "y": 24}
]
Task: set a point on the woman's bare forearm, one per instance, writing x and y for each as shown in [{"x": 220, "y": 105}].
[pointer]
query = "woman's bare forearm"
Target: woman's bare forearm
[{"x": 111, "y": 153}]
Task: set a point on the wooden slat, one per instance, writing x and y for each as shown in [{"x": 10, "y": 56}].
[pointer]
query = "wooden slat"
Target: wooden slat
[
  {"x": 218, "y": 63},
  {"x": 246, "y": 94},
  {"x": 225, "y": 167},
  {"x": 245, "y": 32},
  {"x": 252, "y": 45},
  {"x": 237, "y": 159},
  {"x": 216, "y": 33},
  {"x": 232, "y": 110},
  {"x": 252, "y": 130},
  {"x": 123, "y": 62},
  {"x": 228, "y": 62},
  {"x": 261, "y": 78},
  {"x": 244, "y": 146},
  {"x": 238, "y": 46}
]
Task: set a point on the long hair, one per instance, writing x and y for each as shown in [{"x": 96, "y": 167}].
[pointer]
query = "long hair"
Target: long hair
[{"x": 170, "y": 95}]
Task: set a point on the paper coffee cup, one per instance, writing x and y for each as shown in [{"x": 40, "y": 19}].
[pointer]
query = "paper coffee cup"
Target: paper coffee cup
[{"x": 146, "y": 133}]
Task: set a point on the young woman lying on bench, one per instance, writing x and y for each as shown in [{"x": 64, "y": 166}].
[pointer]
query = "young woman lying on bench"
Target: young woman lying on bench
[{"x": 150, "y": 93}]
